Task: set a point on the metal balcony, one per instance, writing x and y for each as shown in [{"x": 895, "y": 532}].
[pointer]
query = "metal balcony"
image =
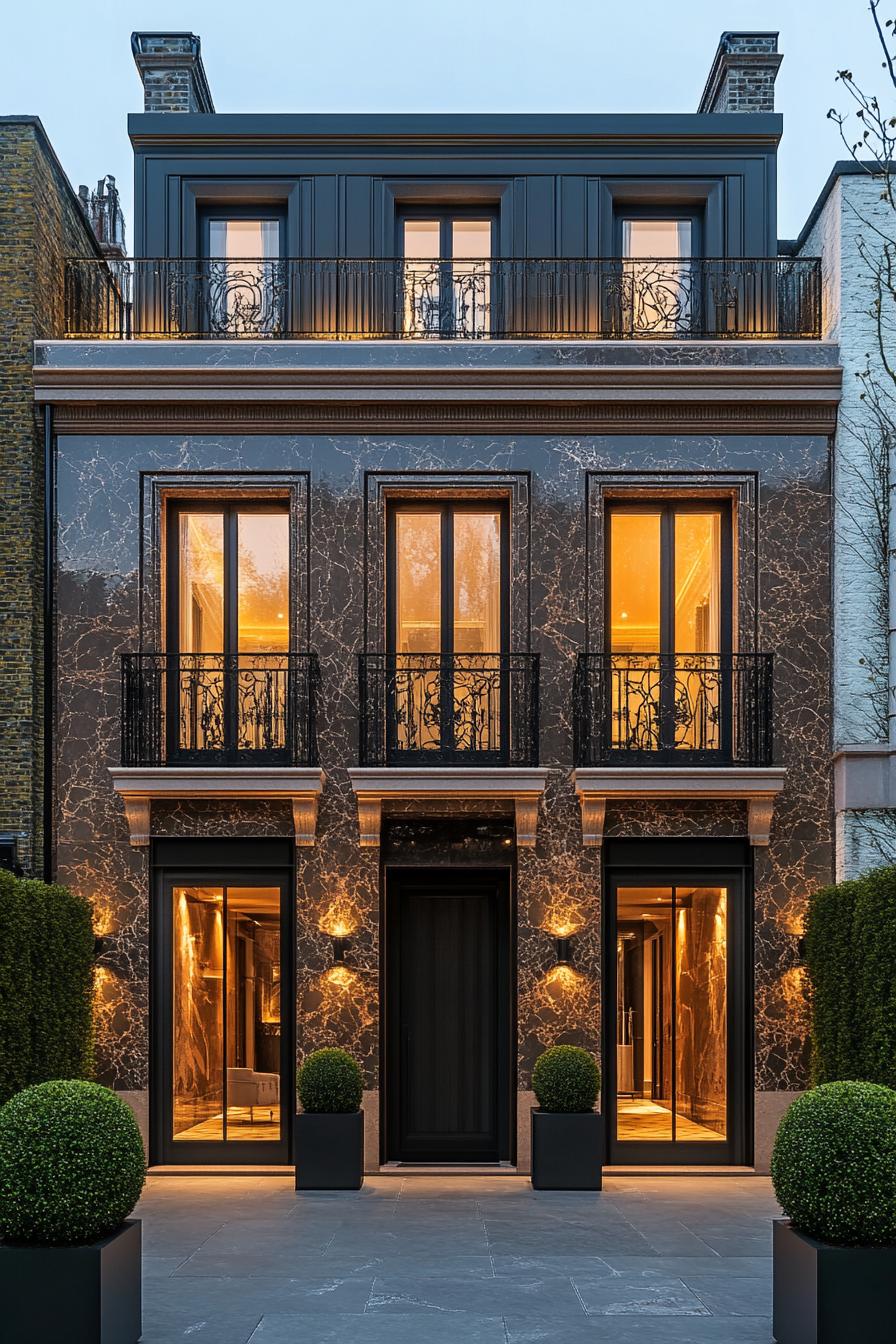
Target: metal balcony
[
  {"x": 576, "y": 298},
  {"x": 448, "y": 709},
  {"x": 673, "y": 709},
  {"x": 218, "y": 709}
]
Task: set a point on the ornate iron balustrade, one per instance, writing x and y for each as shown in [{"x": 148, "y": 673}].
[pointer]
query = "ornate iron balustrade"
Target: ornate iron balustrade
[
  {"x": 218, "y": 709},
  {"x": 492, "y": 299},
  {"x": 673, "y": 709},
  {"x": 448, "y": 709}
]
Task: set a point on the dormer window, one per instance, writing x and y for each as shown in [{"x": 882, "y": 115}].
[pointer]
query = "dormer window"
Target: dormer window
[
  {"x": 244, "y": 276},
  {"x": 659, "y": 283},
  {"x": 447, "y": 273}
]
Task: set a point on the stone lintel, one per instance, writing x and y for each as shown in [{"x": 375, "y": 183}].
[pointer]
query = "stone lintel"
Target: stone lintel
[
  {"x": 450, "y": 785},
  {"x": 757, "y": 787},
  {"x": 139, "y": 785}
]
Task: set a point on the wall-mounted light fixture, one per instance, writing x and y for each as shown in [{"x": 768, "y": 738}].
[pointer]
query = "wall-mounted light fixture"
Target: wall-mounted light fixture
[
  {"x": 340, "y": 947},
  {"x": 563, "y": 946}
]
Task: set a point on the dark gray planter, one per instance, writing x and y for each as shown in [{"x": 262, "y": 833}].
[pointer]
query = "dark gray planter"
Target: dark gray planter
[
  {"x": 329, "y": 1151},
  {"x": 80, "y": 1294},
  {"x": 567, "y": 1150},
  {"x": 830, "y": 1294}
]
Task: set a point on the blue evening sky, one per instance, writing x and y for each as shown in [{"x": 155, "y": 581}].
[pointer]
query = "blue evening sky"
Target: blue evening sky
[{"x": 69, "y": 61}]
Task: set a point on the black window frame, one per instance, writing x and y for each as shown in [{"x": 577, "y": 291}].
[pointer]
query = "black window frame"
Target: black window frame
[
  {"x": 678, "y": 863},
  {"x": 694, "y": 214},
  {"x": 446, "y": 215},
  {"x": 668, "y": 507},
  {"x": 230, "y": 507},
  {"x": 448, "y": 509}
]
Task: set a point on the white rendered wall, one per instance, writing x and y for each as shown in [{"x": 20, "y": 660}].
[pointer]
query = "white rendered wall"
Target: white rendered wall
[{"x": 864, "y": 839}]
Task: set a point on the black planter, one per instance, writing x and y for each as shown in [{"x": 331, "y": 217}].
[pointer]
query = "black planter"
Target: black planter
[
  {"x": 329, "y": 1151},
  {"x": 80, "y": 1294},
  {"x": 567, "y": 1150},
  {"x": 830, "y": 1294}
]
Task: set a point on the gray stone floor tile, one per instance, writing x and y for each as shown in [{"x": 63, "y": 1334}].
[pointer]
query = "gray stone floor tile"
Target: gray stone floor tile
[
  {"x": 634, "y": 1330},
  {"x": 732, "y": 1294},
  {"x": 377, "y": 1329},
  {"x": 466, "y": 1260},
  {"x": 637, "y": 1295},
  {"x": 482, "y": 1297}
]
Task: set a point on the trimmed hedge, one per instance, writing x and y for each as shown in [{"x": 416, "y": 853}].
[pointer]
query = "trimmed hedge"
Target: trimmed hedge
[
  {"x": 71, "y": 1164},
  {"x": 874, "y": 967},
  {"x": 566, "y": 1079},
  {"x": 330, "y": 1083},
  {"x": 830, "y": 959},
  {"x": 850, "y": 954},
  {"x": 46, "y": 984},
  {"x": 834, "y": 1164}
]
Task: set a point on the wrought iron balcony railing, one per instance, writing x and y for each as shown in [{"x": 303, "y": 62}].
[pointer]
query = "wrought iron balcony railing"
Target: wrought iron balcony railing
[
  {"x": 501, "y": 298},
  {"x": 673, "y": 709},
  {"x": 448, "y": 709},
  {"x": 218, "y": 709}
]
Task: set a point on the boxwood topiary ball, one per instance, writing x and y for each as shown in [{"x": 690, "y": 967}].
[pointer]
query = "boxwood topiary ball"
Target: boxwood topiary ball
[
  {"x": 330, "y": 1083},
  {"x": 71, "y": 1164},
  {"x": 834, "y": 1164},
  {"x": 566, "y": 1079}
]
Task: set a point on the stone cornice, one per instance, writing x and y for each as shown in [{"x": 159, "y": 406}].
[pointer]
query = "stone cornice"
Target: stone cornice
[
  {"x": 757, "y": 786},
  {"x": 139, "y": 785},
  {"x": 453, "y": 786},
  {"x": 704, "y": 398}
]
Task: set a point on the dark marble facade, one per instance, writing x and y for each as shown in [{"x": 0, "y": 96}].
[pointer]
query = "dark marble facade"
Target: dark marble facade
[{"x": 105, "y": 515}]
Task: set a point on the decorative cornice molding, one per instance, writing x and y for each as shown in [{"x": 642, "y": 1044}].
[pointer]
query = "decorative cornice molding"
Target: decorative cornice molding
[
  {"x": 451, "y": 785},
  {"x": 748, "y": 417},
  {"x": 139, "y": 785},
  {"x": 757, "y": 786}
]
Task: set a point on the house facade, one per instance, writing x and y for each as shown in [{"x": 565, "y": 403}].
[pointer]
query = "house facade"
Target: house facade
[{"x": 441, "y": 620}]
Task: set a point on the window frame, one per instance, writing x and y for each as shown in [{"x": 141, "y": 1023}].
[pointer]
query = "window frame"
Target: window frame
[
  {"x": 230, "y": 508},
  {"x": 674, "y": 212},
  {"x": 228, "y": 752},
  {"x": 445, "y": 214},
  {"x": 221, "y": 212},
  {"x": 667, "y": 508},
  {"x": 447, "y": 509}
]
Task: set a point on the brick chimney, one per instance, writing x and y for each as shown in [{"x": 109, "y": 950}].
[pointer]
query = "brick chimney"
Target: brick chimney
[
  {"x": 742, "y": 78},
  {"x": 170, "y": 66}
]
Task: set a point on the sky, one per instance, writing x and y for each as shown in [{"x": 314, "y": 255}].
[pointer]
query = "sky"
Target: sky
[{"x": 69, "y": 62}]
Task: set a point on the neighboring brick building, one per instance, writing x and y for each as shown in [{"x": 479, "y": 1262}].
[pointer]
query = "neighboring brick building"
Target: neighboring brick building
[{"x": 41, "y": 223}]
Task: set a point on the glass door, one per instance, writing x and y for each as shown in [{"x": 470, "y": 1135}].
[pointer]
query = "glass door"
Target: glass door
[
  {"x": 674, "y": 1075},
  {"x": 447, "y": 621},
  {"x": 224, "y": 1029},
  {"x": 669, "y": 631},
  {"x": 228, "y": 603},
  {"x": 446, "y": 274},
  {"x": 245, "y": 278}
]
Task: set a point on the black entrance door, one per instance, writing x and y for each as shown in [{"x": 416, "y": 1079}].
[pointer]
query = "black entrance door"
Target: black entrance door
[{"x": 448, "y": 1080}]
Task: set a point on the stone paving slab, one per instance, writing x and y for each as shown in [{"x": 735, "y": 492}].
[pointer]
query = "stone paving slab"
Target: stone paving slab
[{"x": 472, "y": 1260}]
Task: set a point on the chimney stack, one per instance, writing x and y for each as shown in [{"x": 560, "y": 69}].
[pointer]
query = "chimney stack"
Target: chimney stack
[
  {"x": 170, "y": 66},
  {"x": 105, "y": 216},
  {"x": 742, "y": 78}
]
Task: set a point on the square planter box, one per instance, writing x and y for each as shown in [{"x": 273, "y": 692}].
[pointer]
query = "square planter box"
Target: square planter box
[
  {"x": 329, "y": 1151},
  {"x": 567, "y": 1150},
  {"x": 81, "y": 1294},
  {"x": 831, "y": 1294}
]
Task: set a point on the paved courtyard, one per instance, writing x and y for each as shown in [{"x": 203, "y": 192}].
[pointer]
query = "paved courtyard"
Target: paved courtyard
[{"x": 428, "y": 1260}]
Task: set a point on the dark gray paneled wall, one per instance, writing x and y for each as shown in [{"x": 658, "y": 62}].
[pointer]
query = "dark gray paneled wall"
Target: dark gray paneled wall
[{"x": 554, "y": 180}]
